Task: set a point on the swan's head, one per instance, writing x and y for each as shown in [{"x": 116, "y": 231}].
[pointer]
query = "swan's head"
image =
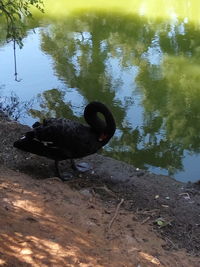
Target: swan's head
[{"x": 105, "y": 129}]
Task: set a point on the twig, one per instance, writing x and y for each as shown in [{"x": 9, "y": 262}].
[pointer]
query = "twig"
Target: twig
[
  {"x": 93, "y": 199},
  {"x": 110, "y": 192},
  {"x": 182, "y": 194},
  {"x": 147, "y": 212},
  {"x": 15, "y": 62},
  {"x": 145, "y": 220},
  {"x": 116, "y": 213},
  {"x": 171, "y": 242},
  {"x": 53, "y": 179},
  {"x": 186, "y": 195}
]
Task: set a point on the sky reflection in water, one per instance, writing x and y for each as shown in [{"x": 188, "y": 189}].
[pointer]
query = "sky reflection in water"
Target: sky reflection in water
[{"x": 146, "y": 70}]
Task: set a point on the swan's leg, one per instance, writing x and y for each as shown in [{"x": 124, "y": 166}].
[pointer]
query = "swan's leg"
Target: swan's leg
[
  {"x": 73, "y": 164},
  {"x": 81, "y": 167},
  {"x": 65, "y": 176},
  {"x": 57, "y": 169}
]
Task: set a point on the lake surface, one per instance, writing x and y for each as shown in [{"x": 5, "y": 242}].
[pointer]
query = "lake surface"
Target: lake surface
[{"x": 141, "y": 58}]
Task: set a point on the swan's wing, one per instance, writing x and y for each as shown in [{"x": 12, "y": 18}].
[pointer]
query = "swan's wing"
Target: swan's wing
[
  {"x": 71, "y": 138},
  {"x": 61, "y": 132}
]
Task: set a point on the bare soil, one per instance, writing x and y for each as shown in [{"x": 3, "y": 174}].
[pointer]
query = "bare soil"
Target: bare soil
[{"x": 114, "y": 215}]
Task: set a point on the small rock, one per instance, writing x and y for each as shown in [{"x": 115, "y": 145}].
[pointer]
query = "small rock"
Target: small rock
[
  {"x": 140, "y": 174},
  {"x": 86, "y": 192},
  {"x": 165, "y": 206}
]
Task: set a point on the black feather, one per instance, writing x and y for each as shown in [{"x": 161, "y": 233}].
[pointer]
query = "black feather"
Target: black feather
[{"x": 61, "y": 139}]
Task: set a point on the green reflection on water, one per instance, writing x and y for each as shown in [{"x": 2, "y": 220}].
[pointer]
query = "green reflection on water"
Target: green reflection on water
[
  {"x": 156, "y": 9},
  {"x": 157, "y": 44},
  {"x": 166, "y": 55}
]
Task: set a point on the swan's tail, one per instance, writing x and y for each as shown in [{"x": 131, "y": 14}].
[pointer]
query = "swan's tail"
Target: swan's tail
[
  {"x": 36, "y": 147},
  {"x": 30, "y": 145}
]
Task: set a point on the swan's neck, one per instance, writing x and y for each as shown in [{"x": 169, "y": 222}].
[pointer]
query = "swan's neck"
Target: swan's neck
[{"x": 104, "y": 129}]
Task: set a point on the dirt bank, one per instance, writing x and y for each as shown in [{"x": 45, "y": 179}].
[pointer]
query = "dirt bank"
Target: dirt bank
[{"x": 45, "y": 222}]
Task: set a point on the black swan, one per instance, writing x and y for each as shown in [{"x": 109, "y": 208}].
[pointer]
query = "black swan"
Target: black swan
[{"x": 61, "y": 139}]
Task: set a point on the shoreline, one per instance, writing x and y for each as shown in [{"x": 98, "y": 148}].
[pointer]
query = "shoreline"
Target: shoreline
[{"x": 177, "y": 204}]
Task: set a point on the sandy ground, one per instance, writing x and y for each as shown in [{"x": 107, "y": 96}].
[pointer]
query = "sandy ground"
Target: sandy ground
[
  {"x": 47, "y": 223},
  {"x": 114, "y": 215}
]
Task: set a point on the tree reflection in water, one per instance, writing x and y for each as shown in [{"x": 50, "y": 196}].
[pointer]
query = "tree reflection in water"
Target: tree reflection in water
[
  {"x": 92, "y": 51},
  {"x": 13, "y": 107}
]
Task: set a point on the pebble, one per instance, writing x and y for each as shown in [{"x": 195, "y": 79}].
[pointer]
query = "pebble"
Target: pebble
[{"x": 86, "y": 192}]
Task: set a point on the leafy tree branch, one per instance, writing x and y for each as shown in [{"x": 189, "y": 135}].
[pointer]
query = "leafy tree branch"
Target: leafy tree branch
[{"x": 14, "y": 12}]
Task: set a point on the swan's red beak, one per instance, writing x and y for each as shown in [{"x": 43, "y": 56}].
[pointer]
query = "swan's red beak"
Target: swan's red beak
[{"x": 102, "y": 137}]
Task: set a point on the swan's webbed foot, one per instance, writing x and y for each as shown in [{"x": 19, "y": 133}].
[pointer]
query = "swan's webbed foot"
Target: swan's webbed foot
[
  {"x": 81, "y": 167},
  {"x": 64, "y": 176}
]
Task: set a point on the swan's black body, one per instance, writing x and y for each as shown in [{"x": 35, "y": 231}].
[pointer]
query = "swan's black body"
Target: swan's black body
[{"x": 61, "y": 139}]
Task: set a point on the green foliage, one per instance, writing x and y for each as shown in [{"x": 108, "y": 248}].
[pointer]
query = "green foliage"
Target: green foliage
[
  {"x": 83, "y": 45},
  {"x": 53, "y": 105},
  {"x": 14, "y": 12}
]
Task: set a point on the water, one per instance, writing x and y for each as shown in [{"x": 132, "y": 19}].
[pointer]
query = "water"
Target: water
[{"x": 140, "y": 60}]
